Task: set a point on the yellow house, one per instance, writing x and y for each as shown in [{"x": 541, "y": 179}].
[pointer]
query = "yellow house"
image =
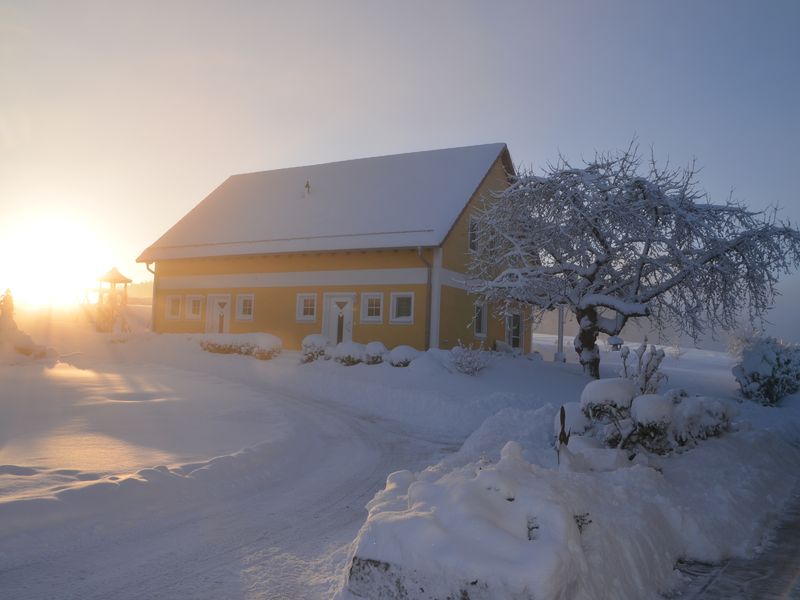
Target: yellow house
[{"x": 373, "y": 249}]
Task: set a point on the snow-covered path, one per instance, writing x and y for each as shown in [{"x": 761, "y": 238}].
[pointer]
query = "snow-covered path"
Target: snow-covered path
[
  {"x": 273, "y": 522},
  {"x": 772, "y": 575}
]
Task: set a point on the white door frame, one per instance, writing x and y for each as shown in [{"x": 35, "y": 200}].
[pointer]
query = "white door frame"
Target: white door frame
[
  {"x": 328, "y": 298},
  {"x": 212, "y": 324},
  {"x": 508, "y": 336}
]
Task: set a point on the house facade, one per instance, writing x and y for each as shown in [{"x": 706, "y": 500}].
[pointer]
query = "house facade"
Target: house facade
[{"x": 365, "y": 250}]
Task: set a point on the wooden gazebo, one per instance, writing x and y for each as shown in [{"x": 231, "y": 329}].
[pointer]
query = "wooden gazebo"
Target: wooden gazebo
[{"x": 112, "y": 295}]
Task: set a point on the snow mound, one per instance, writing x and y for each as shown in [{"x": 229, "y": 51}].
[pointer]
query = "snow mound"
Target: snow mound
[
  {"x": 652, "y": 409},
  {"x": 401, "y": 356},
  {"x": 17, "y": 347},
  {"x": 374, "y": 353},
  {"x": 575, "y": 421},
  {"x": 616, "y": 392},
  {"x": 313, "y": 347},
  {"x": 514, "y": 530}
]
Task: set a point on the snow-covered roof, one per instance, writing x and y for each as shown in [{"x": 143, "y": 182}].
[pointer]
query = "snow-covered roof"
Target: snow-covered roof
[
  {"x": 403, "y": 200},
  {"x": 114, "y": 276}
]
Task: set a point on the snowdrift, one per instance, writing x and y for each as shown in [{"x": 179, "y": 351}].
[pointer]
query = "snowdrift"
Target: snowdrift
[{"x": 524, "y": 528}]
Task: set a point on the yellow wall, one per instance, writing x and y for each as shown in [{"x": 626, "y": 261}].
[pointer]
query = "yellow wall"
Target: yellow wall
[
  {"x": 275, "y": 312},
  {"x": 455, "y": 250},
  {"x": 459, "y": 308}
]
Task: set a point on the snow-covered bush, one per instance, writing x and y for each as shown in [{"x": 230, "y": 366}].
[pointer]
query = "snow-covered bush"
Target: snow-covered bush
[
  {"x": 401, "y": 356},
  {"x": 607, "y": 403},
  {"x": 469, "y": 361},
  {"x": 768, "y": 369},
  {"x": 313, "y": 347},
  {"x": 374, "y": 352},
  {"x": 644, "y": 369},
  {"x": 262, "y": 346},
  {"x": 655, "y": 422},
  {"x": 347, "y": 353},
  {"x": 16, "y": 345}
]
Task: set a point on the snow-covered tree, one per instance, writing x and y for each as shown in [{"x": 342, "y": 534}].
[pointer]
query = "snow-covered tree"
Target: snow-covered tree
[{"x": 620, "y": 238}]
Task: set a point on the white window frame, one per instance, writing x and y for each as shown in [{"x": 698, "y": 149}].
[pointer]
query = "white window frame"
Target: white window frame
[
  {"x": 299, "y": 305},
  {"x": 508, "y": 335},
  {"x": 393, "y": 308},
  {"x": 472, "y": 242},
  {"x": 188, "y": 309},
  {"x": 240, "y": 298},
  {"x": 170, "y": 298},
  {"x": 365, "y": 298},
  {"x": 481, "y": 334}
]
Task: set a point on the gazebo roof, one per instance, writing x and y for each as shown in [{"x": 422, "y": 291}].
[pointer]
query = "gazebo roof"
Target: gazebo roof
[{"x": 114, "y": 276}]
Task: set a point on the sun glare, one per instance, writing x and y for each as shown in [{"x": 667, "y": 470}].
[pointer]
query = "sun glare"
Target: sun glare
[{"x": 51, "y": 261}]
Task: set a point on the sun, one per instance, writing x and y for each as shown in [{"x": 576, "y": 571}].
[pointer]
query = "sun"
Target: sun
[{"x": 51, "y": 260}]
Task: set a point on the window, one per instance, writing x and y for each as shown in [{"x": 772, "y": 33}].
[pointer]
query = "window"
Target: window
[
  {"x": 372, "y": 307},
  {"x": 173, "y": 307},
  {"x": 306, "y": 309},
  {"x": 480, "y": 320},
  {"x": 514, "y": 330},
  {"x": 244, "y": 307},
  {"x": 402, "y": 307},
  {"x": 473, "y": 234},
  {"x": 194, "y": 307}
]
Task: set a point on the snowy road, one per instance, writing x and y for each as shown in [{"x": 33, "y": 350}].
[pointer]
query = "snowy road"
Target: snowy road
[
  {"x": 273, "y": 522},
  {"x": 772, "y": 575}
]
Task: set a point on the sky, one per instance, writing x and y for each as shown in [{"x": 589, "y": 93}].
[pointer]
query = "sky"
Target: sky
[{"x": 117, "y": 118}]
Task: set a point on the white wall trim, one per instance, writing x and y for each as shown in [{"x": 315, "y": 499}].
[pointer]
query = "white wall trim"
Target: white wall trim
[{"x": 409, "y": 276}]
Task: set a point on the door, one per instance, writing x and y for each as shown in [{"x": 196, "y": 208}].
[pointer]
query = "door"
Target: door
[
  {"x": 218, "y": 313},
  {"x": 339, "y": 319},
  {"x": 514, "y": 330}
]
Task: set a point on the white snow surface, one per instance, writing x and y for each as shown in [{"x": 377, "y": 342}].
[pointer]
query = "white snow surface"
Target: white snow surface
[
  {"x": 140, "y": 466},
  {"x": 652, "y": 409},
  {"x": 403, "y": 200}
]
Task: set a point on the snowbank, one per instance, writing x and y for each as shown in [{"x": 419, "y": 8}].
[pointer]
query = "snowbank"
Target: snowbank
[
  {"x": 514, "y": 529},
  {"x": 17, "y": 346}
]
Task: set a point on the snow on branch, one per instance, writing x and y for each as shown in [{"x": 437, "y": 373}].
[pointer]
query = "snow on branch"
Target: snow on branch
[{"x": 618, "y": 238}]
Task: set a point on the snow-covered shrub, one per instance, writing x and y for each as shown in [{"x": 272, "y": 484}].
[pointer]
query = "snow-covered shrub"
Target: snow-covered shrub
[
  {"x": 313, "y": 347},
  {"x": 374, "y": 352},
  {"x": 469, "y": 361},
  {"x": 768, "y": 369},
  {"x": 262, "y": 346},
  {"x": 644, "y": 370},
  {"x": 401, "y": 356},
  {"x": 16, "y": 345},
  {"x": 347, "y": 353},
  {"x": 655, "y": 422},
  {"x": 607, "y": 402}
]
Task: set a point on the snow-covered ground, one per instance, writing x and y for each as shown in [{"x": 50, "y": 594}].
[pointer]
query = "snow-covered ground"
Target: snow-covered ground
[{"x": 140, "y": 466}]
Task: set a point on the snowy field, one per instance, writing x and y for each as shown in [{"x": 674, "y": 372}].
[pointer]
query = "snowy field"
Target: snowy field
[{"x": 140, "y": 466}]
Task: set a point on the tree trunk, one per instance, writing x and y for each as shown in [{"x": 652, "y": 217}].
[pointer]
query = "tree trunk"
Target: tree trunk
[{"x": 586, "y": 342}]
